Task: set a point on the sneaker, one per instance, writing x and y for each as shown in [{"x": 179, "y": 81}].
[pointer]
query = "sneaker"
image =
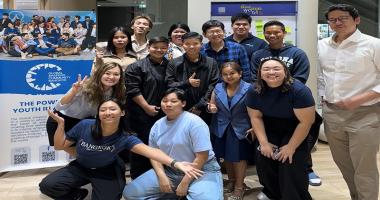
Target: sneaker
[
  {"x": 262, "y": 196},
  {"x": 82, "y": 194},
  {"x": 30, "y": 55},
  {"x": 314, "y": 180},
  {"x": 86, "y": 50}
]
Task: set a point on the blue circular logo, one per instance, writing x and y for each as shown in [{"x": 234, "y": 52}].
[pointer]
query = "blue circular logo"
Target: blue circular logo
[{"x": 45, "y": 77}]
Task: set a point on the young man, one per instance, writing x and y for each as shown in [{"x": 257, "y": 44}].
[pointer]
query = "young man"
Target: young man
[
  {"x": 299, "y": 68},
  {"x": 196, "y": 74},
  {"x": 66, "y": 46},
  {"x": 23, "y": 46},
  {"x": 4, "y": 21},
  {"x": 241, "y": 24},
  {"x": 141, "y": 25},
  {"x": 224, "y": 51},
  {"x": 349, "y": 85}
]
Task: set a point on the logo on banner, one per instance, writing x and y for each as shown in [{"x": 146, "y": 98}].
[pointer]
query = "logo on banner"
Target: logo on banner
[{"x": 45, "y": 77}]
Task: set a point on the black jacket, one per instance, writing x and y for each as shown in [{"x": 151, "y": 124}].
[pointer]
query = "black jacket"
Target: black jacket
[{"x": 180, "y": 69}]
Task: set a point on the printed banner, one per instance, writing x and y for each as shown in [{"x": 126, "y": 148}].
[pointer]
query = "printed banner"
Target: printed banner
[{"x": 41, "y": 55}]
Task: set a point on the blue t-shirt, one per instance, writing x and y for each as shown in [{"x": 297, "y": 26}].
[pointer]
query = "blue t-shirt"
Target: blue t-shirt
[
  {"x": 93, "y": 153},
  {"x": 181, "y": 138},
  {"x": 275, "y": 103}
]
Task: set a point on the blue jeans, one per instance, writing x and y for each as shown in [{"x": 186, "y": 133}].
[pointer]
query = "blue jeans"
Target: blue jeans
[{"x": 207, "y": 187}]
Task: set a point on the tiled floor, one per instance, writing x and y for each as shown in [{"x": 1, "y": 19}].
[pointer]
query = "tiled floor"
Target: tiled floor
[{"x": 22, "y": 185}]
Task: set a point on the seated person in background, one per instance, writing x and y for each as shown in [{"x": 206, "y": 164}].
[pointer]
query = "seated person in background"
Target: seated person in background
[
  {"x": 43, "y": 46},
  {"x": 67, "y": 46},
  {"x": 11, "y": 31},
  {"x": 185, "y": 137},
  {"x": 24, "y": 46},
  {"x": 98, "y": 142},
  {"x": 79, "y": 33},
  {"x": 89, "y": 42}
]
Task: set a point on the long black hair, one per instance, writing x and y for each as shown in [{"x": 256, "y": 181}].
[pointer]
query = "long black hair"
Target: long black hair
[
  {"x": 111, "y": 46},
  {"x": 96, "y": 129}
]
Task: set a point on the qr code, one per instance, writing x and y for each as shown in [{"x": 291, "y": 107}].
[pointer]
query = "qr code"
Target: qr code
[
  {"x": 48, "y": 156},
  {"x": 19, "y": 159}
]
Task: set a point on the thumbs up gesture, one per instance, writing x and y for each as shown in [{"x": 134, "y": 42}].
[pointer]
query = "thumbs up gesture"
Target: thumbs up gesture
[{"x": 193, "y": 81}]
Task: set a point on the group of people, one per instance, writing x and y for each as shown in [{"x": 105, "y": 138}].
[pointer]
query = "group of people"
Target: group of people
[
  {"x": 46, "y": 37},
  {"x": 206, "y": 105}
]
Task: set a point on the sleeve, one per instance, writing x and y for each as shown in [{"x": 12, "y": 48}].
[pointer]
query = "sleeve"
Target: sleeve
[
  {"x": 171, "y": 79},
  {"x": 133, "y": 80},
  {"x": 301, "y": 66},
  {"x": 200, "y": 136},
  {"x": 303, "y": 97},
  {"x": 320, "y": 80},
  {"x": 245, "y": 65},
  {"x": 131, "y": 141},
  {"x": 255, "y": 62},
  {"x": 76, "y": 98},
  {"x": 376, "y": 61},
  {"x": 152, "y": 136},
  {"x": 251, "y": 100},
  {"x": 74, "y": 133},
  {"x": 213, "y": 80}
]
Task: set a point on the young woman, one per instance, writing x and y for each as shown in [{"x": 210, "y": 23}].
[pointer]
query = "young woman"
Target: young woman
[
  {"x": 83, "y": 98},
  {"x": 175, "y": 35},
  {"x": 282, "y": 111},
  {"x": 230, "y": 125},
  {"x": 185, "y": 137},
  {"x": 98, "y": 142}
]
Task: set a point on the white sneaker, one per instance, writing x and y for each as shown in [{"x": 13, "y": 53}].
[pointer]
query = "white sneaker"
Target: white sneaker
[
  {"x": 86, "y": 50},
  {"x": 93, "y": 51},
  {"x": 23, "y": 55},
  {"x": 262, "y": 196}
]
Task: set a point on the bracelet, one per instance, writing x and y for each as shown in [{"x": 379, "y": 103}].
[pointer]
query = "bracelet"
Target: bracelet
[{"x": 173, "y": 163}]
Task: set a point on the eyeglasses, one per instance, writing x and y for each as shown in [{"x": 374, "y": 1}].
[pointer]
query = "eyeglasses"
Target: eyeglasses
[
  {"x": 341, "y": 19},
  {"x": 217, "y": 32}
]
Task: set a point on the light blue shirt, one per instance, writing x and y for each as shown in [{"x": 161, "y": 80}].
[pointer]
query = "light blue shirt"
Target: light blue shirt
[{"x": 181, "y": 138}]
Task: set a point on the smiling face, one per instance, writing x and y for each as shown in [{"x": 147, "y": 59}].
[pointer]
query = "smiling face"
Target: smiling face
[
  {"x": 176, "y": 36},
  {"x": 141, "y": 26},
  {"x": 241, "y": 27},
  {"x": 172, "y": 106},
  {"x": 110, "y": 77},
  {"x": 192, "y": 46},
  {"x": 215, "y": 34},
  {"x": 158, "y": 50},
  {"x": 273, "y": 73},
  {"x": 120, "y": 40},
  {"x": 274, "y": 35},
  {"x": 110, "y": 113},
  {"x": 230, "y": 76}
]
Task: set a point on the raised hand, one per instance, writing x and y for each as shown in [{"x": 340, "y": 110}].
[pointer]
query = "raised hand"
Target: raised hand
[
  {"x": 56, "y": 117},
  {"x": 77, "y": 86},
  {"x": 193, "y": 81}
]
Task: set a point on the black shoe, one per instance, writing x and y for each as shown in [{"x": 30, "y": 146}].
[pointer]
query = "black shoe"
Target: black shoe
[{"x": 82, "y": 194}]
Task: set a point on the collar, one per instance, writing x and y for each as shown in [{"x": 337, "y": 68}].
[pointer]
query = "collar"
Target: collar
[
  {"x": 133, "y": 40},
  {"x": 209, "y": 48},
  {"x": 355, "y": 37}
]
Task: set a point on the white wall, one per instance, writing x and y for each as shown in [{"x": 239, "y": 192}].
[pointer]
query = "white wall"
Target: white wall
[{"x": 199, "y": 11}]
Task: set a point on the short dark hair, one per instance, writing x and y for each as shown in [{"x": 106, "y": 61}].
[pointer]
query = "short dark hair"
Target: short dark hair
[
  {"x": 241, "y": 16},
  {"x": 143, "y": 17},
  {"x": 5, "y": 14},
  {"x": 158, "y": 39},
  {"x": 111, "y": 34},
  {"x": 235, "y": 66},
  {"x": 66, "y": 34},
  {"x": 181, "y": 95},
  {"x": 23, "y": 34},
  {"x": 178, "y": 25},
  {"x": 212, "y": 23},
  {"x": 274, "y": 23},
  {"x": 77, "y": 16},
  {"x": 343, "y": 7},
  {"x": 191, "y": 35},
  {"x": 87, "y": 17}
]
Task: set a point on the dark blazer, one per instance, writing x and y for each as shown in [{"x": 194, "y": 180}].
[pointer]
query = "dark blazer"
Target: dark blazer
[{"x": 235, "y": 114}]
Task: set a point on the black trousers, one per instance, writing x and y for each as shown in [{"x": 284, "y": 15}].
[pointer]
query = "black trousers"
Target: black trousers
[
  {"x": 51, "y": 125},
  {"x": 107, "y": 182},
  {"x": 283, "y": 181},
  {"x": 312, "y": 139}
]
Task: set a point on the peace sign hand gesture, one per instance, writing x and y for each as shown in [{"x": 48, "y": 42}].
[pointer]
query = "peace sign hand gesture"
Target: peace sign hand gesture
[{"x": 77, "y": 86}]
